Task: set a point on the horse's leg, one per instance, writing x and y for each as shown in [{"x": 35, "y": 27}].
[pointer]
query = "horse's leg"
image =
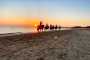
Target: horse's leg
[
  {"x": 41, "y": 30},
  {"x": 37, "y": 29}
]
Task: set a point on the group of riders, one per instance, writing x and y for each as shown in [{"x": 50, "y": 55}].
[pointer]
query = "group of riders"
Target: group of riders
[{"x": 42, "y": 27}]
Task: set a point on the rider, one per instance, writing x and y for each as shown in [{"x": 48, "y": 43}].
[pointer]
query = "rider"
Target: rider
[
  {"x": 40, "y": 26},
  {"x": 40, "y": 23}
]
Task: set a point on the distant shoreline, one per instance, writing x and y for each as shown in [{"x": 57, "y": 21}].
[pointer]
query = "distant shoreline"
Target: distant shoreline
[
  {"x": 5, "y": 30},
  {"x": 29, "y": 33}
]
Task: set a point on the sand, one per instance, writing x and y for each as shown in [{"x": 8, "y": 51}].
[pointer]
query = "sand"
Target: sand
[{"x": 54, "y": 45}]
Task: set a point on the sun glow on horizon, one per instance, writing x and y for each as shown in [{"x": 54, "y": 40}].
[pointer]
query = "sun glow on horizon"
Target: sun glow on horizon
[
  {"x": 20, "y": 22},
  {"x": 30, "y": 12},
  {"x": 33, "y": 22}
]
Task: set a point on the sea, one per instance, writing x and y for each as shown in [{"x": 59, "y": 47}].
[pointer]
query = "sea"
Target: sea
[{"x": 4, "y": 30}]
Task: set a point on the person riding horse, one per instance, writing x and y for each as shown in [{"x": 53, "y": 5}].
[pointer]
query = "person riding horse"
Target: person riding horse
[{"x": 40, "y": 27}]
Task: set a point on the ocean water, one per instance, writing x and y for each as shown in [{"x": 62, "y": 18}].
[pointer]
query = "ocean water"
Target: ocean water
[
  {"x": 16, "y": 29},
  {"x": 4, "y": 30}
]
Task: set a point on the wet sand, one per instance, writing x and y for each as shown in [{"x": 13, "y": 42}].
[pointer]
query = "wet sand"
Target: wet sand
[{"x": 54, "y": 45}]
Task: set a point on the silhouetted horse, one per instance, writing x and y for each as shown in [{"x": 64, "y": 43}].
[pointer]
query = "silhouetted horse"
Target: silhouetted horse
[
  {"x": 51, "y": 27},
  {"x": 59, "y": 27},
  {"x": 40, "y": 27},
  {"x": 46, "y": 27},
  {"x": 56, "y": 27}
]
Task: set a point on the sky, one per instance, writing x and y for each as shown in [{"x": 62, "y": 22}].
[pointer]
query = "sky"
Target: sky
[{"x": 30, "y": 12}]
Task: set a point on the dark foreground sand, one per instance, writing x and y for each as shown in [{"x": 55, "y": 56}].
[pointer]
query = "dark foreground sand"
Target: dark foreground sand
[{"x": 54, "y": 45}]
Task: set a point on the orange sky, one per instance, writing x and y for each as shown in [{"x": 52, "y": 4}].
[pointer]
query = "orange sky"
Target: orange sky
[
  {"x": 30, "y": 12},
  {"x": 20, "y": 21},
  {"x": 34, "y": 21}
]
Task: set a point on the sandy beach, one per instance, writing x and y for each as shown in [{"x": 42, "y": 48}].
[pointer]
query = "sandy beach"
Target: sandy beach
[{"x": 53, "y": 45}]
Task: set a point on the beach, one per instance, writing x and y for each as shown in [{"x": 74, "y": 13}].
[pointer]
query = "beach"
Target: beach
[{"x": 71, "y": 44}]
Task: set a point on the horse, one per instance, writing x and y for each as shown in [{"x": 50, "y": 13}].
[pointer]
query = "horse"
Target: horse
[
  {"x": 51, "y": 27},
  {"x": 46, "y": 27},
  {"x": 40, "y": 28},
  {"x": 56, "y": 27}
]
